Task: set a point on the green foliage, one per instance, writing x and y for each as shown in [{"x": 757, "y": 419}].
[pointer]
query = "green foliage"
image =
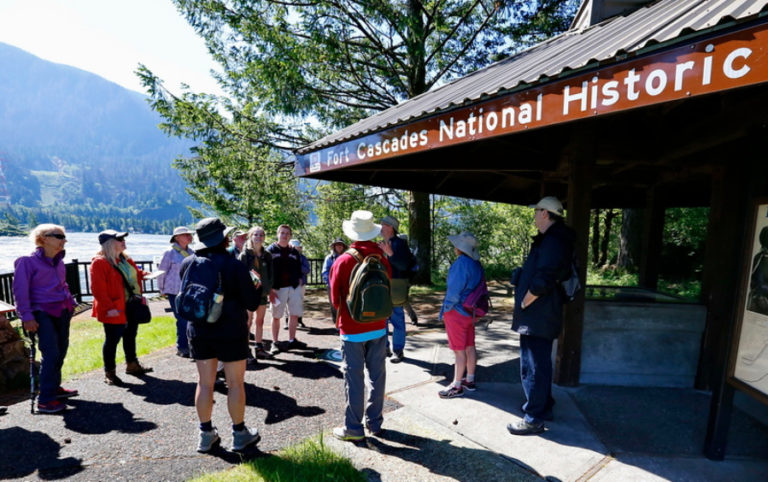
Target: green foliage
[
  {"x": 293, "y": 70},
  {"x": 310, "y": 460}
]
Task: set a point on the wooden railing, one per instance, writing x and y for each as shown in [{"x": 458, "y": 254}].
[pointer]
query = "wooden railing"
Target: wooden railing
[{"x": 79, "y": 280}]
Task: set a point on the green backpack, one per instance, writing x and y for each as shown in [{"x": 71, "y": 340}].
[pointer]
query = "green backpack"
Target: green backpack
[{"x": 369, "y": 298}]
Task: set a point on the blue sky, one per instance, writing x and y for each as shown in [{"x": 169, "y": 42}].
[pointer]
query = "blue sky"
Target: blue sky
[{"x": 110, "y": 37}]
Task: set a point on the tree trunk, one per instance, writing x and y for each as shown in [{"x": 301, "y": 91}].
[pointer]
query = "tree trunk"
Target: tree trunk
[
  {"x": 630, "y": 239},
  {"x": 420, "y": 233},
  {"x": 606, "y": 236},
  {"x": 595, "y": 238}
]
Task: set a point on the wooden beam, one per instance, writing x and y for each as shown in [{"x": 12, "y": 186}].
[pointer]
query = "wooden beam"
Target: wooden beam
[
  {"x": 568, "y": 361},
  {"x": 650, "y": 250}
]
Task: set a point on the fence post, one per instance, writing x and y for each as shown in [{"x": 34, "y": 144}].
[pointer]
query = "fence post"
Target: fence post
[{"x": 73, "y": 280}]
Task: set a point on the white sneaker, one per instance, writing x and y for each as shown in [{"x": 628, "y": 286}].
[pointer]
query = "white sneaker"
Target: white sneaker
[
  {"x": 245, "y": 437},
  {"x": 207, "y": 439}
]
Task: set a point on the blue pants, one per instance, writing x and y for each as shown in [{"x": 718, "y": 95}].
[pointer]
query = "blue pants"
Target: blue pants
[
  {"x": 113, "y": 334},
  {"x": 536, "y": 377},
  {"x": 358, "y": 356},
  {"x": 397, "y": 320},
  {"x": 182, "y": 343},
  {"x": 53, "y": 341}
]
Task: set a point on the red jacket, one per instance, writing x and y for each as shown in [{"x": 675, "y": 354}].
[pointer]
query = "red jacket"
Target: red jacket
[
  {"x": 339, "y": 278},
  {"x": 109, "y": 291}
]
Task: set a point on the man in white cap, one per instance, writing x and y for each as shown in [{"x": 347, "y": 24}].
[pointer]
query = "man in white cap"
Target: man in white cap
[
  {"x": 538, "y": 314},
  {"x": 364, "y": 345},
  {"x": 169, "y": 282}
]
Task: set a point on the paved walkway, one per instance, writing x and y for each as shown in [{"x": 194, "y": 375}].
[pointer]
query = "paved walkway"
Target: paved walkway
[{"x": 147, "y": 430}]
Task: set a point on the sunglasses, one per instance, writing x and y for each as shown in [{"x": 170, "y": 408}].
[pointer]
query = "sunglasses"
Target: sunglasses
[
  {"x": 258, "y": 235},
  {"x": 56, "y": 235}
]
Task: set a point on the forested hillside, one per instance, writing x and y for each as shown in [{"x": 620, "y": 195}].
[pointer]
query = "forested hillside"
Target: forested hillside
[{"x": 76, "y": 148}]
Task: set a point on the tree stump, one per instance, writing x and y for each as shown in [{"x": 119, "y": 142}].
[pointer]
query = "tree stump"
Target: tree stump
[{"x": 14, "y": 357}]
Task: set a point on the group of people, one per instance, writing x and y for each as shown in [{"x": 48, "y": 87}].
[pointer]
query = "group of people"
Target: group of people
[{"x": 254, "y": 275}]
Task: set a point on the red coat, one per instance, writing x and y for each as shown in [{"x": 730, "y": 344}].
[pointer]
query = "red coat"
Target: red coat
[
  {"x": 339, "y": 278},
  {"x": 109, "y": 291}
]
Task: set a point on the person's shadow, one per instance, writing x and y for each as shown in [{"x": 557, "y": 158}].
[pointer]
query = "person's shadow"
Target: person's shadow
[
  {"x": 441, "y": 457},
  {"x": 279, "y": 407},
  {"x": 164, "y": 392},
  {"x": 25, "y": 452},
  {"x": 89, "y": 417}
]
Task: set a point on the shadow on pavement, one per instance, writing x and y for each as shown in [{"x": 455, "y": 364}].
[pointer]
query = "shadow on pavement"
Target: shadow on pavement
[
  {"x": 163, "y": 392},
  {"x": 441, "y": 457},
  {"x": 25, "y": 452},
  {"x": 279, "y": 407},
  {"x": 88, "y": 417}
]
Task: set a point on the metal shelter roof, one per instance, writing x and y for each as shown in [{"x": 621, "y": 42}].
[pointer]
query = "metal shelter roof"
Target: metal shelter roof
[
  {"x": 666, "y": 144},
  {"x": 617, "y": 38}
]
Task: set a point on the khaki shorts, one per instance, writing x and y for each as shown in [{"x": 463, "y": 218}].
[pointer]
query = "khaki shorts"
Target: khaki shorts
[{"x": 293, "y": 298}]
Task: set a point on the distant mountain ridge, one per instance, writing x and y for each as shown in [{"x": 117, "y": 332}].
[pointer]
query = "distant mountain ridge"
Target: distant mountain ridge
[{"x": 99, "y": 140}]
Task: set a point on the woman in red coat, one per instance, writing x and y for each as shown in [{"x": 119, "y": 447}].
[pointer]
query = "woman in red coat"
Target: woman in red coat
[{"x": 109, "y": 295}]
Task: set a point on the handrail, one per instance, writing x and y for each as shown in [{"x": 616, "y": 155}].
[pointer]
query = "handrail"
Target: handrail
[{"x": 79, "y": 280}]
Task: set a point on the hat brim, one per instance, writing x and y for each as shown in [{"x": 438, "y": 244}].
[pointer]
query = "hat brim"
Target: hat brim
[
  {"x": 472, "y": 252},
  {"x": 349, "y": 231},
  {"x": 210, "y": 241},
  {"x": 188, "y": 231}
]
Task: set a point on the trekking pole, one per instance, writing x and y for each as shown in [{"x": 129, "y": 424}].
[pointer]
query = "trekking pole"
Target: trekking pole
[{"x": 32, "y": 372}]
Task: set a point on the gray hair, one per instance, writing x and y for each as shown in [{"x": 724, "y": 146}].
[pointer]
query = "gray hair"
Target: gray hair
[{"x": 37, "y": 236}]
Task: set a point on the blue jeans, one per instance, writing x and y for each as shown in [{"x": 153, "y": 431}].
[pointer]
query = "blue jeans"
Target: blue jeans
[
  {"x": 397, "y": 320},
  {"x": 369, "y": 354},
  {"x": 53, "y": 341},
  {"x": 182, "y": 343},
  {"x": 536, "y": 377},
  {"x": 112, "y": 336}
]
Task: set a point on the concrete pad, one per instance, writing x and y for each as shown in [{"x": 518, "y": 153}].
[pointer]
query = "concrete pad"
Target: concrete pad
[
  {"x": 648, "y": 468},
  {"x": 567, "y": 450},
  {"x": 414, "y": 447}
]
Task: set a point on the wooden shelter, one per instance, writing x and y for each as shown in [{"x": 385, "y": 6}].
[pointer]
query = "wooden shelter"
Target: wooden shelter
[{"x": 661, "y": 105}]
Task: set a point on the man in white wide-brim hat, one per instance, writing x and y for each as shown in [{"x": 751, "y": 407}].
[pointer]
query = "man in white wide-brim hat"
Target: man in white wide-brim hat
[{"x": 364, "y": 344}]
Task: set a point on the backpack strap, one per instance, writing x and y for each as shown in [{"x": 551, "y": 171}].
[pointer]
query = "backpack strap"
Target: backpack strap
[{"x": 355, "y": 254}]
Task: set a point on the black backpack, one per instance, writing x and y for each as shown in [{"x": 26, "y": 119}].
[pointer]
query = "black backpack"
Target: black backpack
[
  {"x": 369, "y": 298},
  {"x": 200, "y": 297},
  {"x": 571, "y": 285}
]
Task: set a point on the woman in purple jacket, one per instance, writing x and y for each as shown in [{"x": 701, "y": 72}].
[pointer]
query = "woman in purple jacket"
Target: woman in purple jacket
[{"x": 45, "y": 305}]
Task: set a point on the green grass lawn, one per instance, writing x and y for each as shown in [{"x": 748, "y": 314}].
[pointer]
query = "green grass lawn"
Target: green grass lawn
[
  {"x": 87, "y": 336},
  {"x": 310, "y": 460}
]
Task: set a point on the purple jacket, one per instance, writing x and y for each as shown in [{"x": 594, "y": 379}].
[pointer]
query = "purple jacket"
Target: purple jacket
[{"x": 40, "y": 284}]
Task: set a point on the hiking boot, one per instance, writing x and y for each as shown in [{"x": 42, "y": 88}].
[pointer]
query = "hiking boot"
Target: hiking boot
[
  {"x": 62, "y": 392},
  {"x": 54, "y": 406},
  {"x": 451, "y": 392},
  {"x": 275, "y": 348},
  {"x": 397, "y": 357},
  {"x": 245, "y": 437},
  {"x": 468, "y": 386},
  {"x": 295, "y": 344},
  {"x": 389, "y": 352},
  {"x": 135, "y": 368},
  {"x": 182, "y": 354},
  {"x": 521, "y": 427},
  {"x": 260, "y": 352},
  {"x": 375, "y": 433},
  {"x": 207, "y": 439},
  {"x": 111, "y": 378},
  {"x": 342, "y": 434},
  {"x": 301, "y": 323}
]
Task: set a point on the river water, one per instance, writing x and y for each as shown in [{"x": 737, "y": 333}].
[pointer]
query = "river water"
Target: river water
[{"x": 83, "y": 246}]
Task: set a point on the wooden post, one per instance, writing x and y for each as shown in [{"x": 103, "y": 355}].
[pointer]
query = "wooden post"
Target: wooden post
[
  {"x": 568, "y": 361},
  {"x": 732, "y": 192},
  {"x": 653, "y": 234}
]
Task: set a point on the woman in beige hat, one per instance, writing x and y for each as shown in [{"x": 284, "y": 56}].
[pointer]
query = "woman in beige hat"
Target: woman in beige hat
[
  {"x": 463, "y": 276},
  {"x": 169, "y": 282}
]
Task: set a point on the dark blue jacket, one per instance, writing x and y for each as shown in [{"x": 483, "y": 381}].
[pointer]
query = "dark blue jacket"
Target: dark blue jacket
[
  {"x": 401, "y": 257},
  {"x": 546, "y": 265}
]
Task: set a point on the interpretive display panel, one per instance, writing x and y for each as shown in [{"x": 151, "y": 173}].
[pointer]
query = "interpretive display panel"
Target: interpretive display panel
[{"x": 750, "y": 360}]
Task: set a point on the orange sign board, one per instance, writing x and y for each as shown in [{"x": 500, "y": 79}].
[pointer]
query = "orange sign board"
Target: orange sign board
[{"x": 726, "y": 62}]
